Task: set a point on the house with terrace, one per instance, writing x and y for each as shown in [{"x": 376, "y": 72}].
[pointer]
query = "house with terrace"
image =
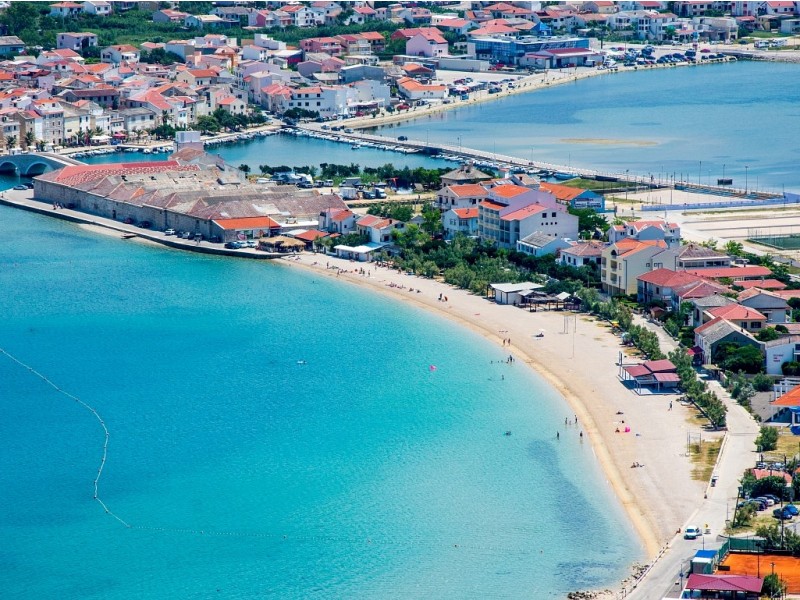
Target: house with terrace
[
  {"x": 644, "y": 231},
  {"x": 701, "y": 306},
  {"x": 658, "y": 284},
  {"x": 460, "y": 220},
  {"x": 623, "y": 261},
  {"x": 709, "y": 336},
  {"x": 575, "y": 197},
  {"x": 772, "y": 306},
  {"x": 580, "y": 254},
  {"x": 512, "y": 212}
]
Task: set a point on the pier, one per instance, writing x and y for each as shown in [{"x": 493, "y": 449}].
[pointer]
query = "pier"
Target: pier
[{"x": 497, "y": 161}]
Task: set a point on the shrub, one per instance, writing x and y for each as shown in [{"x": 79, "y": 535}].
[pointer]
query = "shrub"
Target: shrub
[
  {"x": 761, "y": 383},
  {"x": 768, "y": 439}
]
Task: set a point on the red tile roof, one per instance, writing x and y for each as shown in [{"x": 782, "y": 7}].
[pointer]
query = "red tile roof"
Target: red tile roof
[
  {"x": 737, "y": 312},
  {"x": 466, "y": 213},
  {"x": 764, "y": 284},
  {"x": 733, "y": 272},
  {"x": 247, "y": 223},
  {"x": 492, "y": 205},
  {"x": 790, "y": 398},
  {"x": 310, "y": 235},
  {"x": 524, "y": 212},
  {"x": 468, "y": 189},
  {"x": 561, "y": 192},
  {"x": 727, "y": 583},
  {"x": 667, "y": 277},
  {"x": 75, "y": 174},
  {"x": 508, "y": 191}
]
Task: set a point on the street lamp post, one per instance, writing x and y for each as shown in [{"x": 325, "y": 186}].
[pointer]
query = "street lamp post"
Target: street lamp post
[
  {"x": 745, "y": 178},
  {"x": 626, "y": 186}
]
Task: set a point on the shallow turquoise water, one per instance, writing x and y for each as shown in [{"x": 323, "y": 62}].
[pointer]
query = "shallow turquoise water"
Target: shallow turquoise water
[{"x": 359, "y": 474}]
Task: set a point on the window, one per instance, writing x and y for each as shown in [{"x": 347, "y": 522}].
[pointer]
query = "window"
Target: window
[{"x": 755, "y": 325}]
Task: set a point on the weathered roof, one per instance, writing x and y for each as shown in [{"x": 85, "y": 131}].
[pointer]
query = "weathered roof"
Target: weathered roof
[
  {"x": 537, "y": 239},
  {"x": 667, "y": 277}
]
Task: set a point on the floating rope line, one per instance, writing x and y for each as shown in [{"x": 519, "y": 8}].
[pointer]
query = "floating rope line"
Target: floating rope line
[
  {"x": 97, "y": 416},
  {"x": 378, "y": 540}
]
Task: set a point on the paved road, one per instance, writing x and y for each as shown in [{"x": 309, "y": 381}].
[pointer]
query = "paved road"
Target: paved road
[{"x": 737, "y": 455}]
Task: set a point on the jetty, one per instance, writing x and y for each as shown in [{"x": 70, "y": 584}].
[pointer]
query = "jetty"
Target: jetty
[{"x": 493, "y": 160}]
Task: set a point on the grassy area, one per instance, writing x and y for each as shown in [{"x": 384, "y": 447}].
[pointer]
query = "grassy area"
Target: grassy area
[
  {"x": 788, "y": 445},
  {"x": 704, "y": 457},
  {"x": 598, "y": 186}
]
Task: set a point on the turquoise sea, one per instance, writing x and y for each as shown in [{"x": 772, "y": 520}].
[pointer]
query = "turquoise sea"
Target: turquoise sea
[
  {"x": 737, "y": 120},
  {"x": 357, "y": 473}
]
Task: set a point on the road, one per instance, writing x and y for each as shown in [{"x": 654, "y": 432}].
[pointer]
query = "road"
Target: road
[{"x": 737, "y": 454}]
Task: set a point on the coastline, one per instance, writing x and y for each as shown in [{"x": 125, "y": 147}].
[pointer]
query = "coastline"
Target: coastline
[
  {"x": 581, "y": 366},
  {"x": 643, "y": 493},
  {"x": 523, "y": 85}
]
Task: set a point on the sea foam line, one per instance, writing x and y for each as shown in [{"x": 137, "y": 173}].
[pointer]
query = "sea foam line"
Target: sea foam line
[{"x": 96, "y": 415}]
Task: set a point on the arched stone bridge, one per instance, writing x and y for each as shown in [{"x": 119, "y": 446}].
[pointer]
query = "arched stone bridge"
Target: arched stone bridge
[{"x": 34, "y": 163}]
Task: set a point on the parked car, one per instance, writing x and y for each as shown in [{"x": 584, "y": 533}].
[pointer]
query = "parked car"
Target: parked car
[
  {"x": 249, "y": 244},
  {"x": 772, "y": 497},
  {"x": 20, "y": 187},
  {"x": 29, "y": 185},
  {"x": 767, "y": 500},
  {"x": 233, "y": 245},
  {"x": 792, "y": 509},
  {"x": 692, "y": 532},
  {"x": 169, "y": 231},
  {"x": 782, "y": 514},
  {"x": 402, "y": 138}
]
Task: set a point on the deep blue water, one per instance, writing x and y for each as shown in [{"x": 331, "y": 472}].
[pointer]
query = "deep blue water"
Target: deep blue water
[
  {"x": 696, "y": 123},
  {"x": 360, "y": 474}
]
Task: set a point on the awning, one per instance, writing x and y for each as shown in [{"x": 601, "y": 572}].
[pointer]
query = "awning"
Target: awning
[{"x": 101, "y": 138}]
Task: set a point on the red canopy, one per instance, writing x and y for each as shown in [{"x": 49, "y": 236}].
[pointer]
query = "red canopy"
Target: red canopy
[{"x": 725, "y": 583}]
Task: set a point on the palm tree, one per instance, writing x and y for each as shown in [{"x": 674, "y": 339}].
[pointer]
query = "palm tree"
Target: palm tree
[
  {"x": 11, "y": 142},
  {"x": 30, "y": 139}
]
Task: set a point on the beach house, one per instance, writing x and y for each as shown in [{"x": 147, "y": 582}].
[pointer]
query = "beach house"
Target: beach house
[
  {"x": 511, "y": 213},
  {"x": 658, "y": 285},
  {"x": 623, "y": 261},
  {"x": 643, "y": 231},
  {"x": 460, "y": 220},
  {"x": 337, "y": 220},
  {"x": 772, "y": 306},
  {"x": 582, "y": 253},
  {"x": 575, "y": 197}
]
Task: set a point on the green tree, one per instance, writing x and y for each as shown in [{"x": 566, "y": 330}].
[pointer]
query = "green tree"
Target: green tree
[
  {"x": 767, "y": 334},
  {"x": 762, "y": 383},
  {"x": 11, "y": 142},
  {"x": 207, "y": 124},
  {"x": 244, "y": 168},
  {"x": 21, "y": 16},
  {"x": 734, "y": 248},
  {"x": 30, "y": 139},
  {"x": 732, "y": 357},
  {"x": 589, "y": 220},
  {"x": 767, "y": 439},
  {"x": 773, "y": 586}
]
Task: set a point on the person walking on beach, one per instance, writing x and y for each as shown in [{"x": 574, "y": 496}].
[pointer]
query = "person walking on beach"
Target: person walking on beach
[{"x": 670, "y": 404}]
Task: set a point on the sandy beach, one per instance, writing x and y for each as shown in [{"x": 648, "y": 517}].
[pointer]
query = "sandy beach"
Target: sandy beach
[{"x": 582, "y": 365}]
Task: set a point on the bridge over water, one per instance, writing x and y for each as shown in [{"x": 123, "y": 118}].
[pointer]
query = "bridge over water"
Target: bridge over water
[{"x": 31, "y": 164}]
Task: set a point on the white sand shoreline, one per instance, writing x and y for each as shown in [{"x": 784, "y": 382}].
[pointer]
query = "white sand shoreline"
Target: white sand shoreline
[{"x": 657, "y": 498}]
